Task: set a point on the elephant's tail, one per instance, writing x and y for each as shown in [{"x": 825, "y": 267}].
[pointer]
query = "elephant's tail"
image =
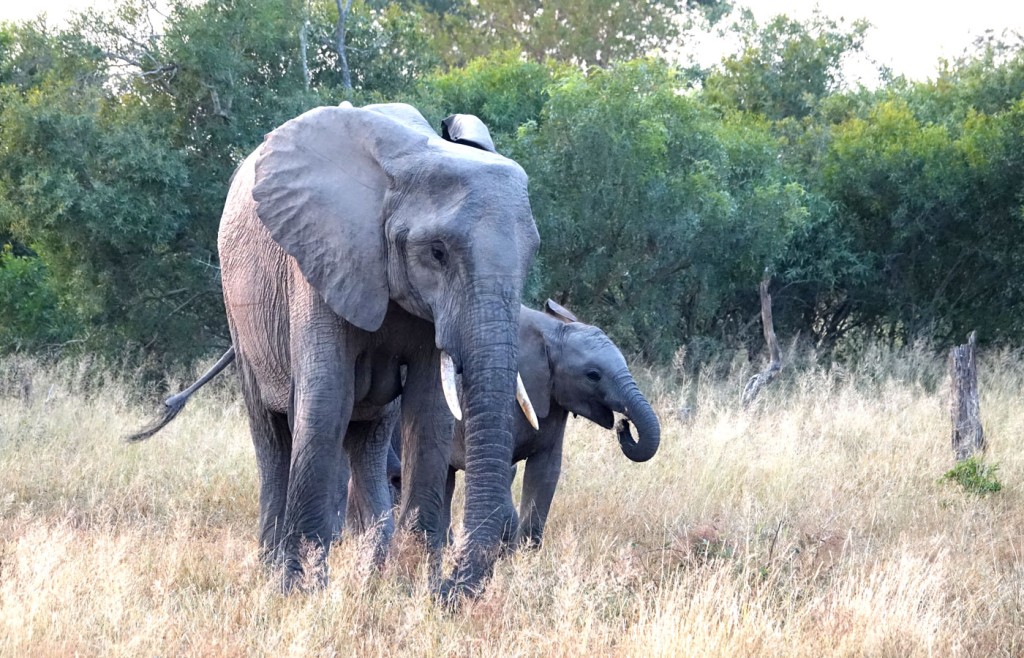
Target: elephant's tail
[{"x": 174, "y": 404}]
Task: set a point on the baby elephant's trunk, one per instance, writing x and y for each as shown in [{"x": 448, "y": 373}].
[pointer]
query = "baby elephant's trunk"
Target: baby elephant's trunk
[{"x": 639, "y": 411}]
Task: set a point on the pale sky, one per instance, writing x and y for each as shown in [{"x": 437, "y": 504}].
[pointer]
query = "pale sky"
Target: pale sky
[{"x": 907, "y": 35}]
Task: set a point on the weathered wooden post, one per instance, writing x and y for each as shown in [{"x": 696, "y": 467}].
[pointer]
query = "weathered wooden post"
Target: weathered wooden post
[
  {"x": 765, "y": 377},
  {"x": 965, "y": 404}
]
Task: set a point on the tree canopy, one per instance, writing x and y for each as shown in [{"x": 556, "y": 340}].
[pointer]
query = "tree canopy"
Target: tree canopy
[{"x": 662, "y": 192}]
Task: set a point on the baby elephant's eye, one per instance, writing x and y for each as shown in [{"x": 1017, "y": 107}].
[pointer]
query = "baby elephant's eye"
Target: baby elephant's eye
[{"x": 594, "y": 376}]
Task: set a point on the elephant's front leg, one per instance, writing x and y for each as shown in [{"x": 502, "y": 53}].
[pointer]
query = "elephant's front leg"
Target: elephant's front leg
[
  {"x": 321, "y": 409},
  {"x": 508, "y": 531},
  {"x": 427, "y": 427},
  {"x": 540, "y": 479},
  {"x": 446, "y": 508}
]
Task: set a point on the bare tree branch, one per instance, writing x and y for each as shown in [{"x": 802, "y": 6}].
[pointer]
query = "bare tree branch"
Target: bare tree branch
[
  {"x": 304, "y": 45},
  {"x": 343, "y": 8},
  {"x": 765, "y": 377},
  {"x": 219, "y": 109}
]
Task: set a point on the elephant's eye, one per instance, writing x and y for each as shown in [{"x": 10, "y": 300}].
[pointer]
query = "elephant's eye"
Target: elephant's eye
[
  {"x": 439, "y": 253},
  {"x": 593, "y": 375}
]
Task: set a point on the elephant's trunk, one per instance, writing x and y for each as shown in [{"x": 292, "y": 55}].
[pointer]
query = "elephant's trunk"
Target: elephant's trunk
[
  {"x": 639, "y": 411},
  {"x": 489, "y": 384}
]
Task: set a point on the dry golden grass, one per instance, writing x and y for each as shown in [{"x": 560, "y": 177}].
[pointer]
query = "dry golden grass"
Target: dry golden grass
[{"x": 813, "y": 525}]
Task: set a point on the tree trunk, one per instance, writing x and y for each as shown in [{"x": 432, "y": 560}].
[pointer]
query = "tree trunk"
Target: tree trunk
[
  {"x": 303, "y": 45},
  {"x": 343, "y": 9},
  {"x": 965, "y": 405},
  {"x": 765, "y": 377}
]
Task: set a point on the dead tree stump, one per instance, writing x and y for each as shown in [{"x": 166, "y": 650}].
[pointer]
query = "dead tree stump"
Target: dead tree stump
[
  {"x": 765, "y": 377},
  {"x": 965, "y": 404}
]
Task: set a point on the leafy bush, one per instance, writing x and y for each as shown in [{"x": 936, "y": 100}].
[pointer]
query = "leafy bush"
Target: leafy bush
[
  {"x": 33, "y": 316},
  {"x": 657, "y": 216},
  {"x": 974, "y": 477}
]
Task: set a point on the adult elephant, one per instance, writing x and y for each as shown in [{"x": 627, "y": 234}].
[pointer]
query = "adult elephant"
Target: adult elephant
[
  {"x": 355, "y": 241},
  {"x": 567, "y": 366}
]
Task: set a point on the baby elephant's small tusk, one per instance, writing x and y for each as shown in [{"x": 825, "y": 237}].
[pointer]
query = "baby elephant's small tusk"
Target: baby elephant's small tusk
[
  {"x": 525, "y": 404},
  {"x": 451, "y": 393}
]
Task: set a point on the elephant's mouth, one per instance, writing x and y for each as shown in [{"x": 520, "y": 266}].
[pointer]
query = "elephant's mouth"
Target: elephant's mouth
[{"x": 601, "y": 415}]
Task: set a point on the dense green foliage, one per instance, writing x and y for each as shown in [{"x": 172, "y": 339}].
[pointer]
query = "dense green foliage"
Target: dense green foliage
[
  {"x": 975, "y": 477},
  {"x": 656, "y": 212},
  {"x": 661, "y": 193}
]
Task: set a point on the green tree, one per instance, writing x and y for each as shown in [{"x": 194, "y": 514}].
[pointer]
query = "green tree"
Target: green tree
[
  {"x": 581, "y": 32},
  {"x": 933, "y": 212},
  {"x": 98, "y": 195},
  {"x": 785, "y": 68},
  {"x": 118, "y": 141},
  {"x": 504, "y": 90},
  {"x": 656, "y": 218},
  {"x": 35, "y": 316}
]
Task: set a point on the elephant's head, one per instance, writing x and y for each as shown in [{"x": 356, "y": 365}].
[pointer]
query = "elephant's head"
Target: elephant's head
[
  {"x": 588, "y": 376},
  {"x": 376, "y": 208}
]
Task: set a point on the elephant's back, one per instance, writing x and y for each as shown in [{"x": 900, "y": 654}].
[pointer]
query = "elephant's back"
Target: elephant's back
[{"x": 242, "y": 241}]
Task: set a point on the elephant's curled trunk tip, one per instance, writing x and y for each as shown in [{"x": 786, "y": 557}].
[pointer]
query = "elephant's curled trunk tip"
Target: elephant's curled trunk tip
[
  {"x": 634, "y": 449},
  {"x": 172, "y": 407}
]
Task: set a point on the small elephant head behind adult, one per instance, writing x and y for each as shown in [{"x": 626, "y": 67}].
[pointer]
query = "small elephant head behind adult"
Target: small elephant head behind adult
[{"x": 574, "y": 366}]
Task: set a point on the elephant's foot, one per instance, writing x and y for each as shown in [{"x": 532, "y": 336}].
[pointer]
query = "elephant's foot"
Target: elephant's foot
[
  {"x": 453, "y": 592},
  {"x": 508, "y": 533},
  {"x": 406, "y": 552},
  {"x": 458, "y": 589},
  {"x": 428, "y": 540},
  {"x": 473, "y": 569},
  {"x": 303, "y": 580},
  {"x": 303, "y": 569},
  {"x": 529, "y": 536},
  {"x": 382, "y": 533},
  {"x": 525, "y": 542}
]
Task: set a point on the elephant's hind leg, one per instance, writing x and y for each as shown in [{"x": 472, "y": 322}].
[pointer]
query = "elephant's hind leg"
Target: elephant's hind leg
[
  {"x": 272, "y": 441},
  {"x": 370, "y": 505}
]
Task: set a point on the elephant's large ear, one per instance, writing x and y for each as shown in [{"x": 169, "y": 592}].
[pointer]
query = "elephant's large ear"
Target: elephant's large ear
[
  {"x": 320, "y": 191},
  {"x": 469, "y": 130},
  {"x": 553, "y": 308},
  {"x": 535, "y": 368}
]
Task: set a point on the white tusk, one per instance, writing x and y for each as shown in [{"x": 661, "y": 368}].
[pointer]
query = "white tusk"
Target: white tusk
[
  {"x": 525, "y": 404},
  {"x": 451, "y": 393}
]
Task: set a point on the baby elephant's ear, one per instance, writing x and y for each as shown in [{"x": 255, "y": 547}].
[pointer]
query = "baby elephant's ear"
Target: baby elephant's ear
[
  {"x": 557, "y": 310},
  {"x": 469, "y": 130}
]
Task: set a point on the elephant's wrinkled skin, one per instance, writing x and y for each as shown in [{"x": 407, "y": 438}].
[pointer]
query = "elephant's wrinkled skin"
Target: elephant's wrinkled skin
[
  {"x": 567, "y": 367},
  {"x": 354, "y": 242}
]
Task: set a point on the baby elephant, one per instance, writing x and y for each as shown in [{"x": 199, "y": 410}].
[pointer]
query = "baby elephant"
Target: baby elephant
[{"x": 567, "y": 367}]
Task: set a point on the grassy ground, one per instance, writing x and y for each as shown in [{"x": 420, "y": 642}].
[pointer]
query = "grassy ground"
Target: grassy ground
[{"x": 814, "y": 525}]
